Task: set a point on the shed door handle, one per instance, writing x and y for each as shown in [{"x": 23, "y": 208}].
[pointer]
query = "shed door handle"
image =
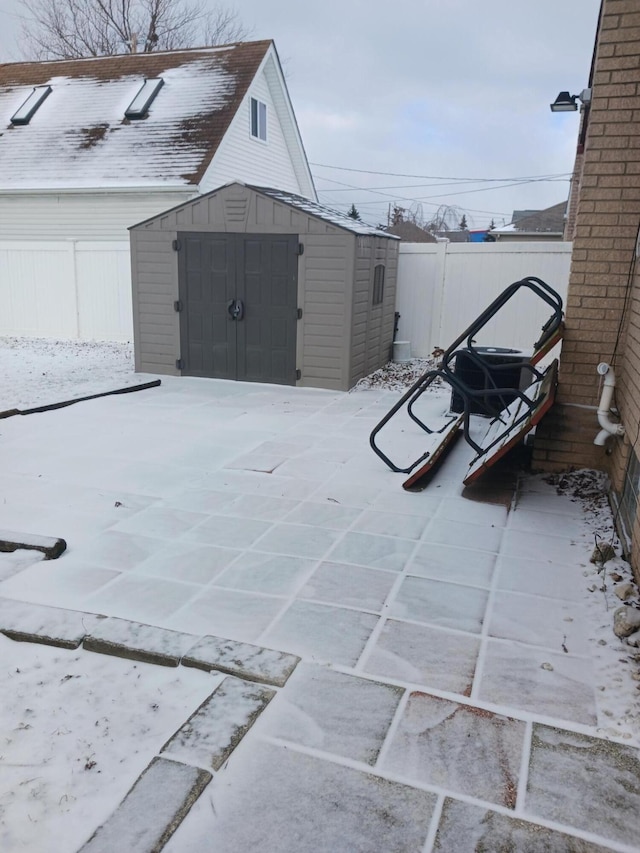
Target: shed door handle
[{"x": 235, "y": 309}]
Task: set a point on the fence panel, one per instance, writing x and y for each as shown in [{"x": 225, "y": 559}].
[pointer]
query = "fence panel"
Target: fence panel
[
  {"x": 103, "y": 284},
  {"x": 37, "y": 292},
  {"x": 66, "y": 289},
  {"x": 442, "y": 288}
]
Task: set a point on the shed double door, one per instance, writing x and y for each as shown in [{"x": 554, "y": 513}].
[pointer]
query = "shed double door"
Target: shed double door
[{"x": 238, "y": 300}]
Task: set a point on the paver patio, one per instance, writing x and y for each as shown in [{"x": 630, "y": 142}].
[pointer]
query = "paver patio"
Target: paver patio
[{"x": 447, "y": 697}]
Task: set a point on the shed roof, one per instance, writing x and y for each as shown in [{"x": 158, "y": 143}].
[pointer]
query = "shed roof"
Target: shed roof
[
  {"x": 79, "y": 136},
  {"x": 335, "y": 217}
]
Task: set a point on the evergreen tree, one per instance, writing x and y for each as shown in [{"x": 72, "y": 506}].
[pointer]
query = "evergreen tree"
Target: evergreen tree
[
  {"x": 463, "y": 223},
  {"x": 353, "y": 212}
]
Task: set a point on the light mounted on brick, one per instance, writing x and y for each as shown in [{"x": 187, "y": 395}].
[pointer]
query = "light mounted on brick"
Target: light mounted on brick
[{"x": 565, "y": 102}]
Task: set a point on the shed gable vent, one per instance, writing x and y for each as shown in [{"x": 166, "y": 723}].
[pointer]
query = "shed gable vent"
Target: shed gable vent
[
  {"x": 236, "y": 209},
  {"x": 139, "y": 106},
  {"x": 28, "y": 108}
]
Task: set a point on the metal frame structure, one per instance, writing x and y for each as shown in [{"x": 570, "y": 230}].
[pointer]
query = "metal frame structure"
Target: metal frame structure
[{"x": 529, "y": 399}]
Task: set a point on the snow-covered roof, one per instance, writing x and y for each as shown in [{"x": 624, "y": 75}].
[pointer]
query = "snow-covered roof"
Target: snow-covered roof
[
  {"x": 335, "y": 217},
  {"x": 79, "y": 136}
]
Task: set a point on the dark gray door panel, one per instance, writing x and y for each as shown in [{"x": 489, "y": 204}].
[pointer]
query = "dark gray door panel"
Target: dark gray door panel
[{"x": 256, "y": 275}]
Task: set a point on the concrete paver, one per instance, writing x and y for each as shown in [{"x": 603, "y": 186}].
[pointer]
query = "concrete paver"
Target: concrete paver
[{"x": 260, "y": 515}]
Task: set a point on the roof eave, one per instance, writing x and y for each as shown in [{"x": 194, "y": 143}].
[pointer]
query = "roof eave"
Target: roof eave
[{"x": 148, "y": 188}]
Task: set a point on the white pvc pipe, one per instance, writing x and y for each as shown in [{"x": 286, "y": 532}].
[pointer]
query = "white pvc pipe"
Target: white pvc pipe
[{"x": 608, "y": 427}]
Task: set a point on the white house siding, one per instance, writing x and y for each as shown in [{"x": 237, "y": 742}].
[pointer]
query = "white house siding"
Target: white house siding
[
  {"x": 442, "y": 288},
  {"x": 92, "y": 215},
  {"x": 240, "y": 157}
]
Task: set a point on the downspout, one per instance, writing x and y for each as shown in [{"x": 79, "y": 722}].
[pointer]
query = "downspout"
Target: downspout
[{"x": 608, "y": 427}]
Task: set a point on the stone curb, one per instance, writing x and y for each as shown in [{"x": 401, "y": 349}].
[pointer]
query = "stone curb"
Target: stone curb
[
  {"x": 177, "y": 785},
  {"x": 136, "y": 641},
  {"x": 54, "y": 626},
  {"x": 211, "y": 733},
  {"x": 51, "y": 626},
  {"x": 254, "y": 663},
  {"x": 51, "y": 546}
]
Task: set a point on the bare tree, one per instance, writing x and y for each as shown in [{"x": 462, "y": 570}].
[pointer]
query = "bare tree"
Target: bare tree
[
  {"x": 71, "y": 29},
  {"x": 446, "y": 218}
]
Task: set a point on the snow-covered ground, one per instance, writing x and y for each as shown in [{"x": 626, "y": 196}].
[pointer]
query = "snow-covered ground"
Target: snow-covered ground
[
  {"x": 77, "y": 730},
  {"x": 447, "y": 644},
  {"x": 37, "y": 372}
]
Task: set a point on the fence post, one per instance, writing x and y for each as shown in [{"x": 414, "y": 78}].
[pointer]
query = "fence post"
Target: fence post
[
  {"x": 76, "y": 289},
  {"x": 438, "y": 297}
]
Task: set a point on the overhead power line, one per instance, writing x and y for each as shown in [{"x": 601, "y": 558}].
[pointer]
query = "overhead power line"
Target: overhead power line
[
  {"x": 425, "y": 199},
  {"x": 443, "y": 177}
]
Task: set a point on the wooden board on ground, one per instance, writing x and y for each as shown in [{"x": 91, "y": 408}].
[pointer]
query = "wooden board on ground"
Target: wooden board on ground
[
  {"x": 419, "y": 480},
  {"x": 500, "y": 437}
]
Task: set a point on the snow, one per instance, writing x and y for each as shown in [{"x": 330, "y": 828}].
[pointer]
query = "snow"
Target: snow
[
  {"x": 336, "y": 217},
  {"x": 77, "y": 729},
  {"x": 179, "y": 503},
  {"x": 78, "y": 136},
  {"x": 38, "y": 371}
]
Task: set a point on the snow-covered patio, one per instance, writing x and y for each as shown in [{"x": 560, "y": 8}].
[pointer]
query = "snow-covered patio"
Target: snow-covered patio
[{"x": 460, "y": 687}]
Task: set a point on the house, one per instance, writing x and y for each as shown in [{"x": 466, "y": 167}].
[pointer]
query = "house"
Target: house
[
  {"x": 89, "y": 147},
  {"x": 294, "y": 293},
  {"x": 526, "y": 225},
  {"x": 603, "y": 302}
]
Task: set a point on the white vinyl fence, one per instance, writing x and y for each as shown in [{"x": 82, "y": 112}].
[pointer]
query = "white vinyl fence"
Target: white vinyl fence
[
  {"x": 66, "y": 289},
  {"x": 78, "y": 289},
  {"x": 443, "y": 287}
]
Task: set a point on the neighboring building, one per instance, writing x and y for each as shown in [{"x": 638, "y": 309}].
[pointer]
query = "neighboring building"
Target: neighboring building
[
  {"x": 526, "y": 225},
  {"x": 603, "y": 304},
  {"x": 89, "y": 147},
  {"x": 409, "y": 232}
]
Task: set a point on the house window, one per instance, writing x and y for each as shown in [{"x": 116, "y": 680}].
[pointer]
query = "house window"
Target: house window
[
  {"x": 28, "y": 108},
  {"x": 628, "y": 502},
  {"x": 139, "y": 106},
  {"x": 378, "y": 284},
  {"x": 258, "y": 119}
]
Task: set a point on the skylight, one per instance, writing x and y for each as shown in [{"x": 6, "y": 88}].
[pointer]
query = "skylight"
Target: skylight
[
  {"x": 139, "y": 106},
  {"x": 28, "y": 108}
]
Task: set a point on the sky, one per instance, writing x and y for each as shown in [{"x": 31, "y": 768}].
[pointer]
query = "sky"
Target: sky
[{"x": 425, "y": 102}]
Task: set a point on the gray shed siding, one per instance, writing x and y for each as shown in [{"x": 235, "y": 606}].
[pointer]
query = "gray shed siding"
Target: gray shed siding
[
  {"x": 326, "y": 270},
  {"x": 156, "y": 328},
  {"x": 372, "y": 325},
  {"x": 337, "y": 315}
]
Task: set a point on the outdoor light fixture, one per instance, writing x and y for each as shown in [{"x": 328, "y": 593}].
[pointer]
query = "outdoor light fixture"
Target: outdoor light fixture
[{"x": 565, "y": 102}]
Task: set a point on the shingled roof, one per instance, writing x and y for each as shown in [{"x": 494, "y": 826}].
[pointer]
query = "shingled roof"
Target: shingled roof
[
  {"x": 550, "y": 220},
  {"x": 79, "y": 136},
  {"x": 335, "y": 217}
]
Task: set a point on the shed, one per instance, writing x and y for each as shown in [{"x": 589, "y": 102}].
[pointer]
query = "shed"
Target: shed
[{"x": 261, "y": 285}]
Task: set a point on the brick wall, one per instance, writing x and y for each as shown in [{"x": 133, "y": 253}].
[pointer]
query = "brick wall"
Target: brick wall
[
  {"x": 603, "y": 303},
  {"x": 606, "y": 224},
  {"x": 574, "y": 192}
]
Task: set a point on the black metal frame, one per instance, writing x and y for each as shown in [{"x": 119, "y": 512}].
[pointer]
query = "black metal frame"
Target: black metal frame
[{"x": 446, "y": 373}]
